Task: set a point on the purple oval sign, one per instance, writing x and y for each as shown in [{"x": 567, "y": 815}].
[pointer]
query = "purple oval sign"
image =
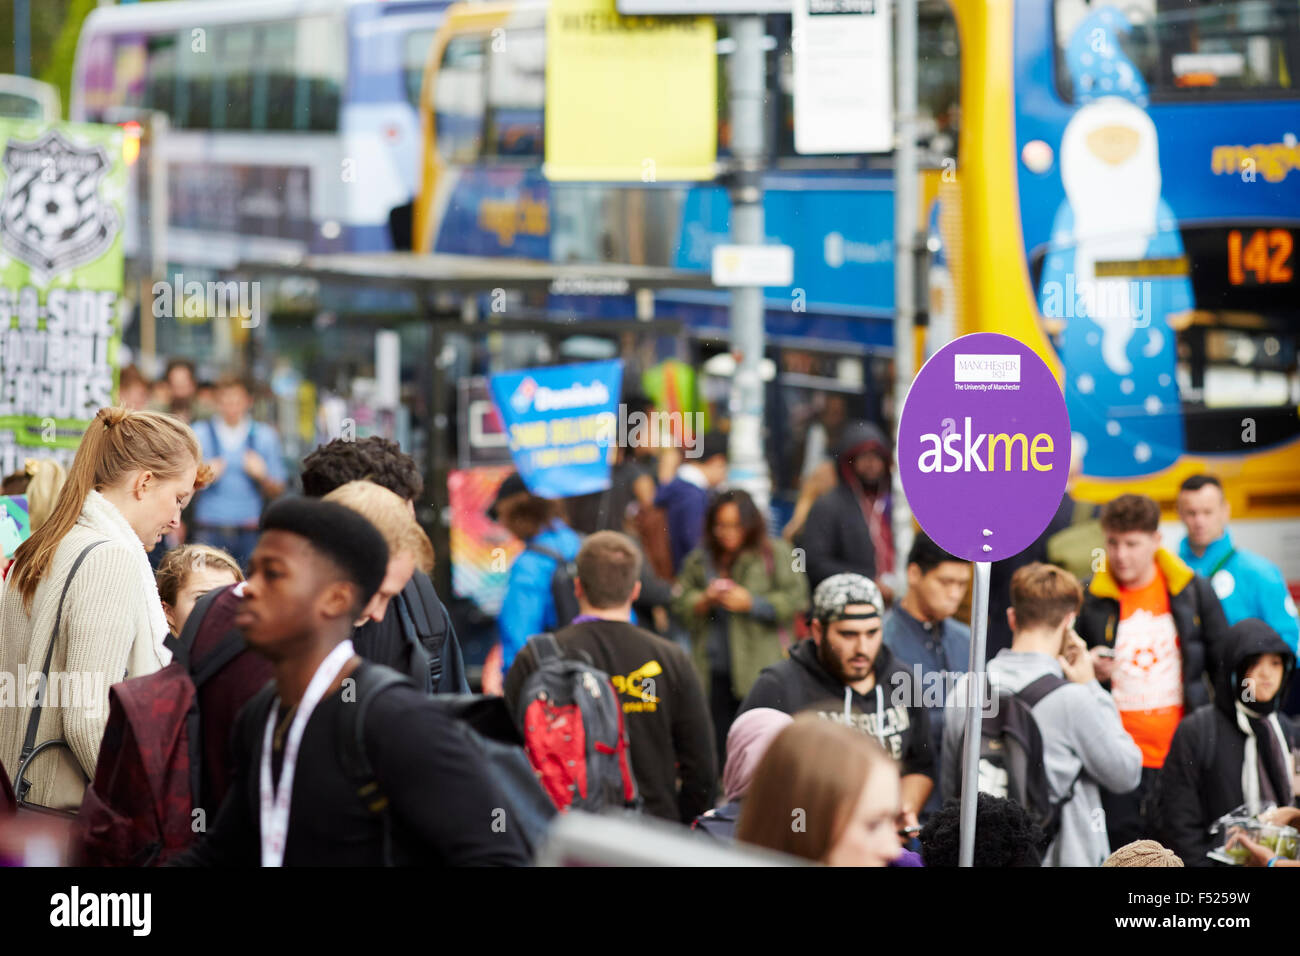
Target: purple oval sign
[{"x": 984, "y": 446}]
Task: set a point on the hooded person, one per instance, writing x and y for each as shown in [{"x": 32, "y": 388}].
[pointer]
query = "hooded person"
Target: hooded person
[
  {"x": 1235, "y": 751},
  {"x": 848, "y": 529},
  {"x": 846, "y": 674},
  {"x": 747, "y": 741}
]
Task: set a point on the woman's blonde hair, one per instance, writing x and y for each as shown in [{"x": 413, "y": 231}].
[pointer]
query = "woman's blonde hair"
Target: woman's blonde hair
[
  {"x": 815, "y": 766},
  {"x": 391, "y": 514},
  {"x": 174, "y": 570},
  {"x": 47, "y": 479},
  {"x": 117, "y": 442}
]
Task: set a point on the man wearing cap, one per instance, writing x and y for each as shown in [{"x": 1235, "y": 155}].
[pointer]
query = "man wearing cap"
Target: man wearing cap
[{"x": 846, "y": 674}]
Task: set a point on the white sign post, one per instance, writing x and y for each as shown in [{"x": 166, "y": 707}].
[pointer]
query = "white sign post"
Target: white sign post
[{"x": 843, "y": 90}]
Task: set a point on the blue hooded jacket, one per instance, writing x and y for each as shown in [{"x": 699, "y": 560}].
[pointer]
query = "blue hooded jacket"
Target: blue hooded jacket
[
  {"x": 529, "y": 608},
  {"x": 1248, "y": 585}
]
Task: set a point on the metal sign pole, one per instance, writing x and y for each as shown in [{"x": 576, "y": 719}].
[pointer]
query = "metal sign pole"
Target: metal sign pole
[{"x": 970, "y": 771}]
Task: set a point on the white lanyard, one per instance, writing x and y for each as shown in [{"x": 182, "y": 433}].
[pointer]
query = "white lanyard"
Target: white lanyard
[{"x": 275, "y": 800}]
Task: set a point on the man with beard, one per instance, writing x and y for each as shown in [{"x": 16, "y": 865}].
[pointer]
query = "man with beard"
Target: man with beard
[
  {"x": 847, "y": 531},
  {"x": 846, "y": 674},
  {"x": 302, "y": 794}
]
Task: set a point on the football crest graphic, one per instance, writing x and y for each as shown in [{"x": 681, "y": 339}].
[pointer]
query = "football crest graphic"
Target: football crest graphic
[{"x": 53, "y": 217}]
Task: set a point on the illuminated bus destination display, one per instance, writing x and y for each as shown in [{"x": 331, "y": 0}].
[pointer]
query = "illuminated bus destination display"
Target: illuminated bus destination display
[{"x": 1260, "y": 256}]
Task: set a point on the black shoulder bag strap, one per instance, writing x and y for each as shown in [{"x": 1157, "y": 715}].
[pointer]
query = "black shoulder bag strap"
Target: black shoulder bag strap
[
  {"x": 371, "y": 681},
  {"x": 30, "y": 751},
  {"x": 1031, "y": 694}
]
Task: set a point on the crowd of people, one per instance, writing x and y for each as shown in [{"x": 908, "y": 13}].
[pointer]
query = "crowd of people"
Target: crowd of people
[{"x": 783, "y": 692}]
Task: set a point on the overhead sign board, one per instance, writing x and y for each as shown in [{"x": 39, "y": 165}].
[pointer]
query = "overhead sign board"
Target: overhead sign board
[
  {"x": 759, "y": 265},
  {"x": 843, "y": 85}
]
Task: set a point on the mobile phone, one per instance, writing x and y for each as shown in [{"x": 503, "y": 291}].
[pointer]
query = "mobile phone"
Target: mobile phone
[
  {"x": 910, "y": 831},
  {"x": 1106, "y": 652}
]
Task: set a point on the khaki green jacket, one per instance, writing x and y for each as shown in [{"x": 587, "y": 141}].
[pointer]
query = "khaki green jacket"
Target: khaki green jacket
[{"x": 755, "y": 643}]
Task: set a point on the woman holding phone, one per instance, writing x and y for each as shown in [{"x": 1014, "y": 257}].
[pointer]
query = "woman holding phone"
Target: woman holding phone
[{"x": 735, "y": 594}]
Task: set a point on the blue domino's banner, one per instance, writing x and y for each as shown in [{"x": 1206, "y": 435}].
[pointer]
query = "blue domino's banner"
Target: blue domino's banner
[{"x": 562, "y": 424}]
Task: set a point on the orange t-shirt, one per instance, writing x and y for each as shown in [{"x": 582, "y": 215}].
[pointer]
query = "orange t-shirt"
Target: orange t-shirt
[{"x": 1147, "y": 682}]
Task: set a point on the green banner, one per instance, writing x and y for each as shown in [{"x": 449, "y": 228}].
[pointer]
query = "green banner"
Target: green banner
[{"x": 62, "y": 212}]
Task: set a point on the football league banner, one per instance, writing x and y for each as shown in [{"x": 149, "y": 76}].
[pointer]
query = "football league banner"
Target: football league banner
[
  {"x": 61, "y": 275},
  {"x": 562, "y": 424}
]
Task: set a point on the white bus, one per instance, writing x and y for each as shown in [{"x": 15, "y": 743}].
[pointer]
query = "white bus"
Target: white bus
[
  {"x": 292, "y": 124},
  {"x": 21, "y": 97}
]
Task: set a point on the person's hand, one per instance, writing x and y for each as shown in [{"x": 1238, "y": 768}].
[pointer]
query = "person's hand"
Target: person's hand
[
  {"x": 737, "y": 599},
  {"x": 1259, "y": 854},
  {"x": 218, "y": 466},
  {"x": 907, "y": 818},
  {"x": 1103, "y": 664},
  {"x": 254, "y": 465},
  {"x": 1076, "y": 662},
  {"x": 1281, "y": 816}
]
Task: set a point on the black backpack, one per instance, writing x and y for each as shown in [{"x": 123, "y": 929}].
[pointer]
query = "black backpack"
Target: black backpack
[
  {"x": 562, "y": 578},
  {"x": 1011, "y": 754},
  {"x": 483, "y": 721}
]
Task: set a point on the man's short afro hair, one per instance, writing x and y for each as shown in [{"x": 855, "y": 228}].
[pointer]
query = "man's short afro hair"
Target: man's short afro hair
[
  {"x": 339, "y": 533},
  {"x": 368, "y": 459},
  {"x": 1005, "y": 835}
]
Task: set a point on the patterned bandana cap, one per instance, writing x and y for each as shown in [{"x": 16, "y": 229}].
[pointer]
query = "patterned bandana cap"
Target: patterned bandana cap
[{"x": 840, "y": 590}]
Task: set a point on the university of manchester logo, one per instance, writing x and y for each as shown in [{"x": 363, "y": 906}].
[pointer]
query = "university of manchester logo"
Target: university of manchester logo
[{"x": 53, "y": 217}]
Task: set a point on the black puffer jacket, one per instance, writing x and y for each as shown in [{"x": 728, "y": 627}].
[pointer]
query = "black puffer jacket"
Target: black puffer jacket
[
  {"x": 1201, "y": 779},
  {"x": 1198, "y": 619}
]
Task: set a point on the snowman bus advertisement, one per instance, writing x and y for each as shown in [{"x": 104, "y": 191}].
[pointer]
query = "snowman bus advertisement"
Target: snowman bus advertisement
[{"x": 61, "y": 279}]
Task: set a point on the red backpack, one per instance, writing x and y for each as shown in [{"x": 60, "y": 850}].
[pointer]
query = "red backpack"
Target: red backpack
[
  {"x": 571, "y": 721},
  {"x": 141, "y": 808}
]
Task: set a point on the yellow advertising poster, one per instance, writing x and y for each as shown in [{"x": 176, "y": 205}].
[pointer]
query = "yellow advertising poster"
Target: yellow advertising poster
[{"x": 629, "y": 98}]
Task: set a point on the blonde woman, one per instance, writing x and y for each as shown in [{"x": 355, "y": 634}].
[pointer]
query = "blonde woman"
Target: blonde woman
[
  {"x": 132, "y": 475},
  {"x": 409, "y": 548},
  {"x": 189, "y": 572}
]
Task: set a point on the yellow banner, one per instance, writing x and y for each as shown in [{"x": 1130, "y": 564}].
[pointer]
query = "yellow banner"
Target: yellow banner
[{"x": 629, "y": 98}]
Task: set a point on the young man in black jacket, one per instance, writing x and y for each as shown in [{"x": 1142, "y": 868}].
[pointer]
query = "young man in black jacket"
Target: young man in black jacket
[
  {"x": 292, "y": 802},
  {"x": 669, "y": 732},
  {"x": 1155, "y": 630},
  {"x": 1234, "y": 751},
  {"x": 846, "y": 674},
  {"x": 415, "y": 635}
]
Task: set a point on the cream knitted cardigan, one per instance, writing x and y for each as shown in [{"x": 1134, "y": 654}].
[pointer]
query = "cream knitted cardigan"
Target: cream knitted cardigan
[{"x": 113, "y": 627}]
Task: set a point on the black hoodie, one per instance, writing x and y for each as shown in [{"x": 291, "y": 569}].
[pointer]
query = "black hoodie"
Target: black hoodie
[
  {"x": 835, "y": 537},
  {"x": 1201, "y": 778},
  {"x": 892, "y": 712}
]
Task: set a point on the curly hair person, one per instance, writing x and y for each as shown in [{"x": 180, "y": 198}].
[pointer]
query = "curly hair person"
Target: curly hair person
[
  {"x": 1005, "y": 835},
  {"x": 367, "y": 459}
]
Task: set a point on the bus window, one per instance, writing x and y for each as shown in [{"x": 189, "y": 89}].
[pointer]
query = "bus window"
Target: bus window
[
  {"x": 232, "y": 103},
  {"x": 458, "y": 100},
  {"x": 415, "y": 52},
  {"x": 320, "y": 62},
  {"x": 273, "y": 106},
  {"x": 197, "y": 68},
  {"x": 1232, "y": 49},
  {"x": 160, "y": 84},
  {"x": 516, "y": 96}
]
